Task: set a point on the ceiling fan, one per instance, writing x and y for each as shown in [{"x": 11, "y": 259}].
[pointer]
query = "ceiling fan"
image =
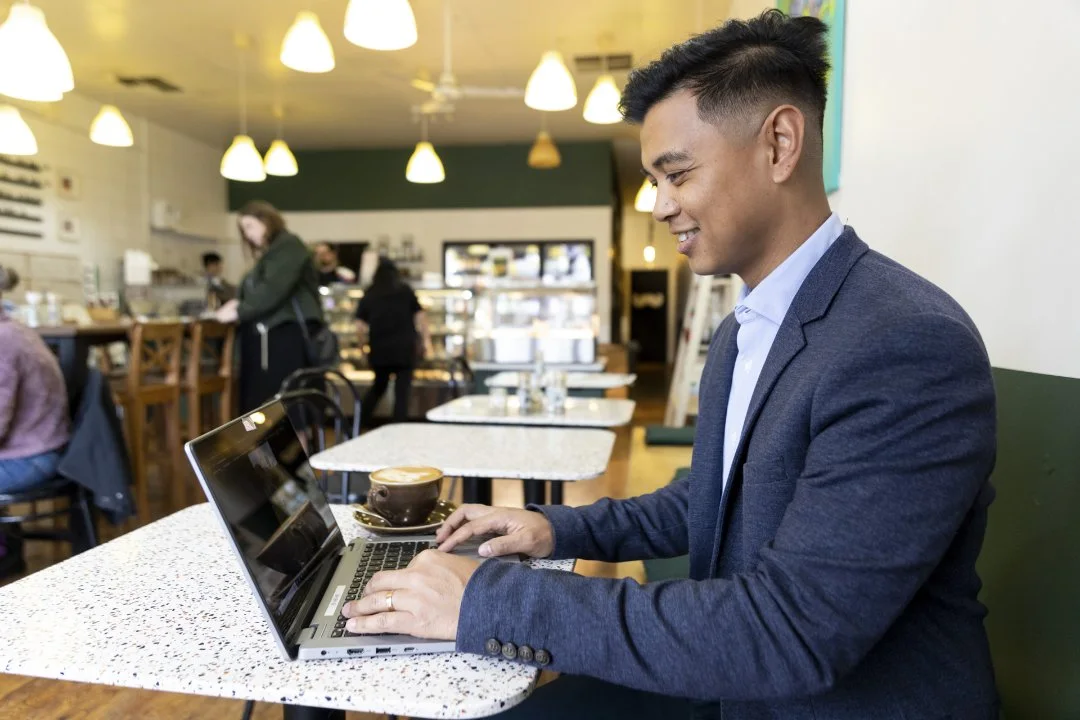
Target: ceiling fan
[{"x": 446, "y": 91}]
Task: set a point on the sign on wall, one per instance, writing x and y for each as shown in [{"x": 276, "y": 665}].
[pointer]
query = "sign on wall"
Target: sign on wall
[{"x": 832, "y": 13}]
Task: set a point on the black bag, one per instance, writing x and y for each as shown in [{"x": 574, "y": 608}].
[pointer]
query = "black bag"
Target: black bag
[{"x": 321, "y": 346}]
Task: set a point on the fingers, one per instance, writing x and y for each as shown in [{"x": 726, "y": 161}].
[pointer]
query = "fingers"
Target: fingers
[
  {"x": 389, "y": 580},
  {"x": 459, "y": 517},
  {"x": 505, "y": 545},
  {"x": 396, "y": 623},
  {"x": 375, "y": 603},
  {"x": 482, "y": 526}
]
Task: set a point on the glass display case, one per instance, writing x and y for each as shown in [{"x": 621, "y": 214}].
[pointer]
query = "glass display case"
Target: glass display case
[
  {"x": 552, "y": 323},
  {"x": 448, "y": 310},
  {"x": 489, "y": 263}
]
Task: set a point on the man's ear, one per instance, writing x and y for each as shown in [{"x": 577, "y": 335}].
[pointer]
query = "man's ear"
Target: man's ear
[{"x": 783, "y": 132}]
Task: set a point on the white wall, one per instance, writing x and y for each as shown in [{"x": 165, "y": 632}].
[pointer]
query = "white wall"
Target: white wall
[
  {"x": 960, "y": 161},
  {"x": 116, "y": 186},
  {"x": 430, "y": 228}
]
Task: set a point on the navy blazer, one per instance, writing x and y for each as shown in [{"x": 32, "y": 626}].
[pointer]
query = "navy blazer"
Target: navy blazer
[{"x": 834, "y": 575}]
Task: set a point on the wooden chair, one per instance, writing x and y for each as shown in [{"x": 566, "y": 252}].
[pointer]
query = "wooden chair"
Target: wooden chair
[
  {"x": 207, "y": 372},
  {"x": 153, "y": 380}
]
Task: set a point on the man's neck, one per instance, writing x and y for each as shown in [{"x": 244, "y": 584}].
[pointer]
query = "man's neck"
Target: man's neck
[{"x": 784, "y": 239}]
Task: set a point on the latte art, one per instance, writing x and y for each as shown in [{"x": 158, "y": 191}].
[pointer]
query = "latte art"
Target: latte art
[{"x": 406, "y": 475}]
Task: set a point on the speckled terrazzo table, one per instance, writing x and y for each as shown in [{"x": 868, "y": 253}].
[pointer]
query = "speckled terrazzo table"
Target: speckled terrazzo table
[
  {"x": 578, "y": 412},
  {"x": 574, "y": 380},
  {"x": 479, "y": 453},
  {"x": 166, "y": 608}
]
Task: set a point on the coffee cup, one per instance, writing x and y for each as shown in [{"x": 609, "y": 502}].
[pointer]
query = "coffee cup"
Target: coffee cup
[{"x": 405, "y": 495}]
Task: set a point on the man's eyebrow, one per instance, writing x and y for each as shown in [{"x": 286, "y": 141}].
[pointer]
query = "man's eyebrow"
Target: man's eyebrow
[{"x": 670, "y": 156}]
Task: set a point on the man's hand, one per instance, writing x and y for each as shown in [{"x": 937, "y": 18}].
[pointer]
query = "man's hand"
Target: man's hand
[
  {"x": 227, "y": 312},
  {"x": 522, "y": 531},
  {"x": 424, "y": 599}
]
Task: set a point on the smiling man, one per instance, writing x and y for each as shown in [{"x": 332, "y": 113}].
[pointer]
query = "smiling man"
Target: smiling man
[{"x": 838, "y": 494}]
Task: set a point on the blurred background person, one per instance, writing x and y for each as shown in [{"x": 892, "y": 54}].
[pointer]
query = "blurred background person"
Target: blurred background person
[
  {"x": 282, "y": 288},
  {"x": 329, "y": 266},
  {"x": 34, "y": 422},
  {"x": 398, "y": 336},
  {"x": 218, "y": 290}
]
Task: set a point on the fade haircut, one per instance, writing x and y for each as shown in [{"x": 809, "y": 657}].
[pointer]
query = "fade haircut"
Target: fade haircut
[{"x": 734, "y": 68}]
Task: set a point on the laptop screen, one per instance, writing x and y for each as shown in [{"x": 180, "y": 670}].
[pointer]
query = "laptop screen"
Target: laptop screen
[{"x": 261, "y": 482}]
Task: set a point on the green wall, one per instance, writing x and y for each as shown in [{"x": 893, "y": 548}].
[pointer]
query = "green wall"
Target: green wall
[
  {"x": 477, "y": 176},
  {"x": 1030, "y": 563}
]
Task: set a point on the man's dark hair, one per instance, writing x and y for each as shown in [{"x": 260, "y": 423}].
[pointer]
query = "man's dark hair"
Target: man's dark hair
[
  {"x": 735, "y": 67},
  {"x": 210, "y": 258}
]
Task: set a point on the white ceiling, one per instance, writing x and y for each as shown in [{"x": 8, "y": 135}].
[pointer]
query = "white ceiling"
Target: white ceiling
[{"x": 366, "y": 101}]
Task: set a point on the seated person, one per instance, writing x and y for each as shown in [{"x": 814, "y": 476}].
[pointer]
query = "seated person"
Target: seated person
[
  {"x": 218, "y": 290},
  {"x": 34, "y": 421},
  {"x": 837, "y": 499}
]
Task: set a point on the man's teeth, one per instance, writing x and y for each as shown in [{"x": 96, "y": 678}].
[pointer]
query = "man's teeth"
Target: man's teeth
[{"x": 684, "y": 236}]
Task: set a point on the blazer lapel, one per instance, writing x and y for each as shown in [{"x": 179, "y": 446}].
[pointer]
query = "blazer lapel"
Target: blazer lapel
[
  {"x": 810, "y": 303},
  {"x": 707, "y": 464}
]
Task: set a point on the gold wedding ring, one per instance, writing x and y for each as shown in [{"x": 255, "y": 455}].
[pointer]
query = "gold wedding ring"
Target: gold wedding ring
[{"x": 390, "y": 601}]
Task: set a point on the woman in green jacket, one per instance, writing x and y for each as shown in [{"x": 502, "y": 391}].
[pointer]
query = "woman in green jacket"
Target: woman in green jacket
[{"x": 282, "y": 287}]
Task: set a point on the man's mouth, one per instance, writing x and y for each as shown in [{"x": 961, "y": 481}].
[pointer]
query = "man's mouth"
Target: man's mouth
[{"x": 685, "y": 239}]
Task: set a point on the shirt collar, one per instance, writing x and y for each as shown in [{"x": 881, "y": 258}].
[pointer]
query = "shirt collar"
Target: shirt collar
[{"x": 773, "y": 296}]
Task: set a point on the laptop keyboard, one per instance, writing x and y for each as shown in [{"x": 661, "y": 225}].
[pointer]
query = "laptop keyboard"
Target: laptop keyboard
[{"x": 376, "y": 557}]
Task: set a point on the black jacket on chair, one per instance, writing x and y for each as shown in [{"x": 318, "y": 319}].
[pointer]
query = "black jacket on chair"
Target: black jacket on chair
[{"x": 96, "y": 457}]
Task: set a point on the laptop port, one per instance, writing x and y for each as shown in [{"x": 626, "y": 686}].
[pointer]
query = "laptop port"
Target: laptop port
[
  {"x": 409, "y": 649},
  {"x": 382, "y": 651},
  {"x": 355, "y": 651}
]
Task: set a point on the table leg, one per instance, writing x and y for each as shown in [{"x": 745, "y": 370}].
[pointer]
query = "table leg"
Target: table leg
[
  {"x": 301, "y": 712},
  {"x": 476, "y": 490},
  {"x": 556, "y": 492},
  {"x": 535, "y": 492}
]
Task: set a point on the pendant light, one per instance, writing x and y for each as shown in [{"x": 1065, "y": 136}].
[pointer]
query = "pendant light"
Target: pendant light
[
  {"x": 242, "y": 160},
  {"x": 16, "y": 137},
  {"x": 544, "y": 155},
  {"x": 645, "y": 200},
  {"x": 650, "y": 253},
  {"x": 602, "y": 104},
  {"x": 279, "y": 159},
  {"x": 110, "y": 128},
  {"x": 306, "y": 47},
  {"x": 33, "y": 65},
  {"x": 380, "y": 24},
  {"x": 551, "y": 86},
  {"x": 424, "y": 166}
]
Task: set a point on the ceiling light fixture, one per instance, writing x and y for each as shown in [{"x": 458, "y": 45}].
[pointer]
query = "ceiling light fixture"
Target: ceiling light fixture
[
  {"x": 650, "y": 253},
  {"x": 33, "y": 64},
  {"x": 645, "y": 200},
  {"x": 544, "y": 155},
  {"x": 110, "y": 128},
  {"x": 602, "y": 104},
  {"x": 306, "y": 47},
  {"x": 16, "y": 138},
  {"x": 279, "y": 159},
  {"x": 424, "y": 166},
  {"x": 380, "y": 24},
  {"x": 242, "y": 160},
  {"x": 551, "y": 86}
]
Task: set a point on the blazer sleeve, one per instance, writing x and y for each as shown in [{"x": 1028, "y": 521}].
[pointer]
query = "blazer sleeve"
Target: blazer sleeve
[
  {"x": 902, "y": 443},
  {"x": 650, "y": 526},
  {"x": 282, "y": 273}
]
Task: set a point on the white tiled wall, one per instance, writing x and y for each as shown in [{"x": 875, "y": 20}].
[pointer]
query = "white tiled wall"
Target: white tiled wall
[{"x": 115, "y": 189}]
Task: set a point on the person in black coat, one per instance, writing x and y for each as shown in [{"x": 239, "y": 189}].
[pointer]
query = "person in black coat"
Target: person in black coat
[{"x": 398, "y": 336}]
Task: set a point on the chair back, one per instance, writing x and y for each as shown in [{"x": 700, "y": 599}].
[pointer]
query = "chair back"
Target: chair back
[
  {"x": 332, "y": 381},
  {"x": 210, "y": 353},
  {"x": 156, "y": 349},
  {"x": 307, "y": 410}
]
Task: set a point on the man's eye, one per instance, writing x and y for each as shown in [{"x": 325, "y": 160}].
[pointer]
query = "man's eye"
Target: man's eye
[{"x": 676, "y": 176}]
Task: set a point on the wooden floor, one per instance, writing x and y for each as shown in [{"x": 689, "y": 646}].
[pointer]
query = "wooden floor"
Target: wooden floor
[{"x": 634, "y": 469}]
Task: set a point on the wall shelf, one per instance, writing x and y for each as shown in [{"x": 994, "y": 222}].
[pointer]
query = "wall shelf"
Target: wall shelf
[
  {"x": 21, "y": 233},
  {"x": 14, "y": 215},
  {"x": 21, "y": 164},
  {"x": 36, "y": 184},
  {"x": 21, "y": 199}
]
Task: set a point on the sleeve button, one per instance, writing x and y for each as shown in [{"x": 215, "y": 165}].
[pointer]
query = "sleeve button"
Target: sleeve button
[
  {"x": 525, "y": 654},
  {"x": 492, "y": 647},
  {"x": 509, "y": 651},
  {"x": 543, "y": 658}
]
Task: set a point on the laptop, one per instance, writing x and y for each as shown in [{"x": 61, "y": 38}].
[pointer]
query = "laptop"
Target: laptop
[{"x": 255, "y": 473}]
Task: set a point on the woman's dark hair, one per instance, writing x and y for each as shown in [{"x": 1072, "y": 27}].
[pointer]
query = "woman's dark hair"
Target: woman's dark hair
[
  {"x": 267, "y": 214},
  {"x": 386, "y": 277},
  {"x": 733, "y": 68}
]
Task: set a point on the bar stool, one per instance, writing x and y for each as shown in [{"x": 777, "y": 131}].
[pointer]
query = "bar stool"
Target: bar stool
[
  {"x": 208, "y": 372},
  {"x": 153, "y": 379}
]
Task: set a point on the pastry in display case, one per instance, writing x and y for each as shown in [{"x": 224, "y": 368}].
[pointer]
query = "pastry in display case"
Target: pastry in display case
[{"x": 552, "y": 324}]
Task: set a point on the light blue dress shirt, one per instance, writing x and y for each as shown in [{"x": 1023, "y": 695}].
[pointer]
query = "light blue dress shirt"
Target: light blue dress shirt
[{"x": 759, "y": 315}]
